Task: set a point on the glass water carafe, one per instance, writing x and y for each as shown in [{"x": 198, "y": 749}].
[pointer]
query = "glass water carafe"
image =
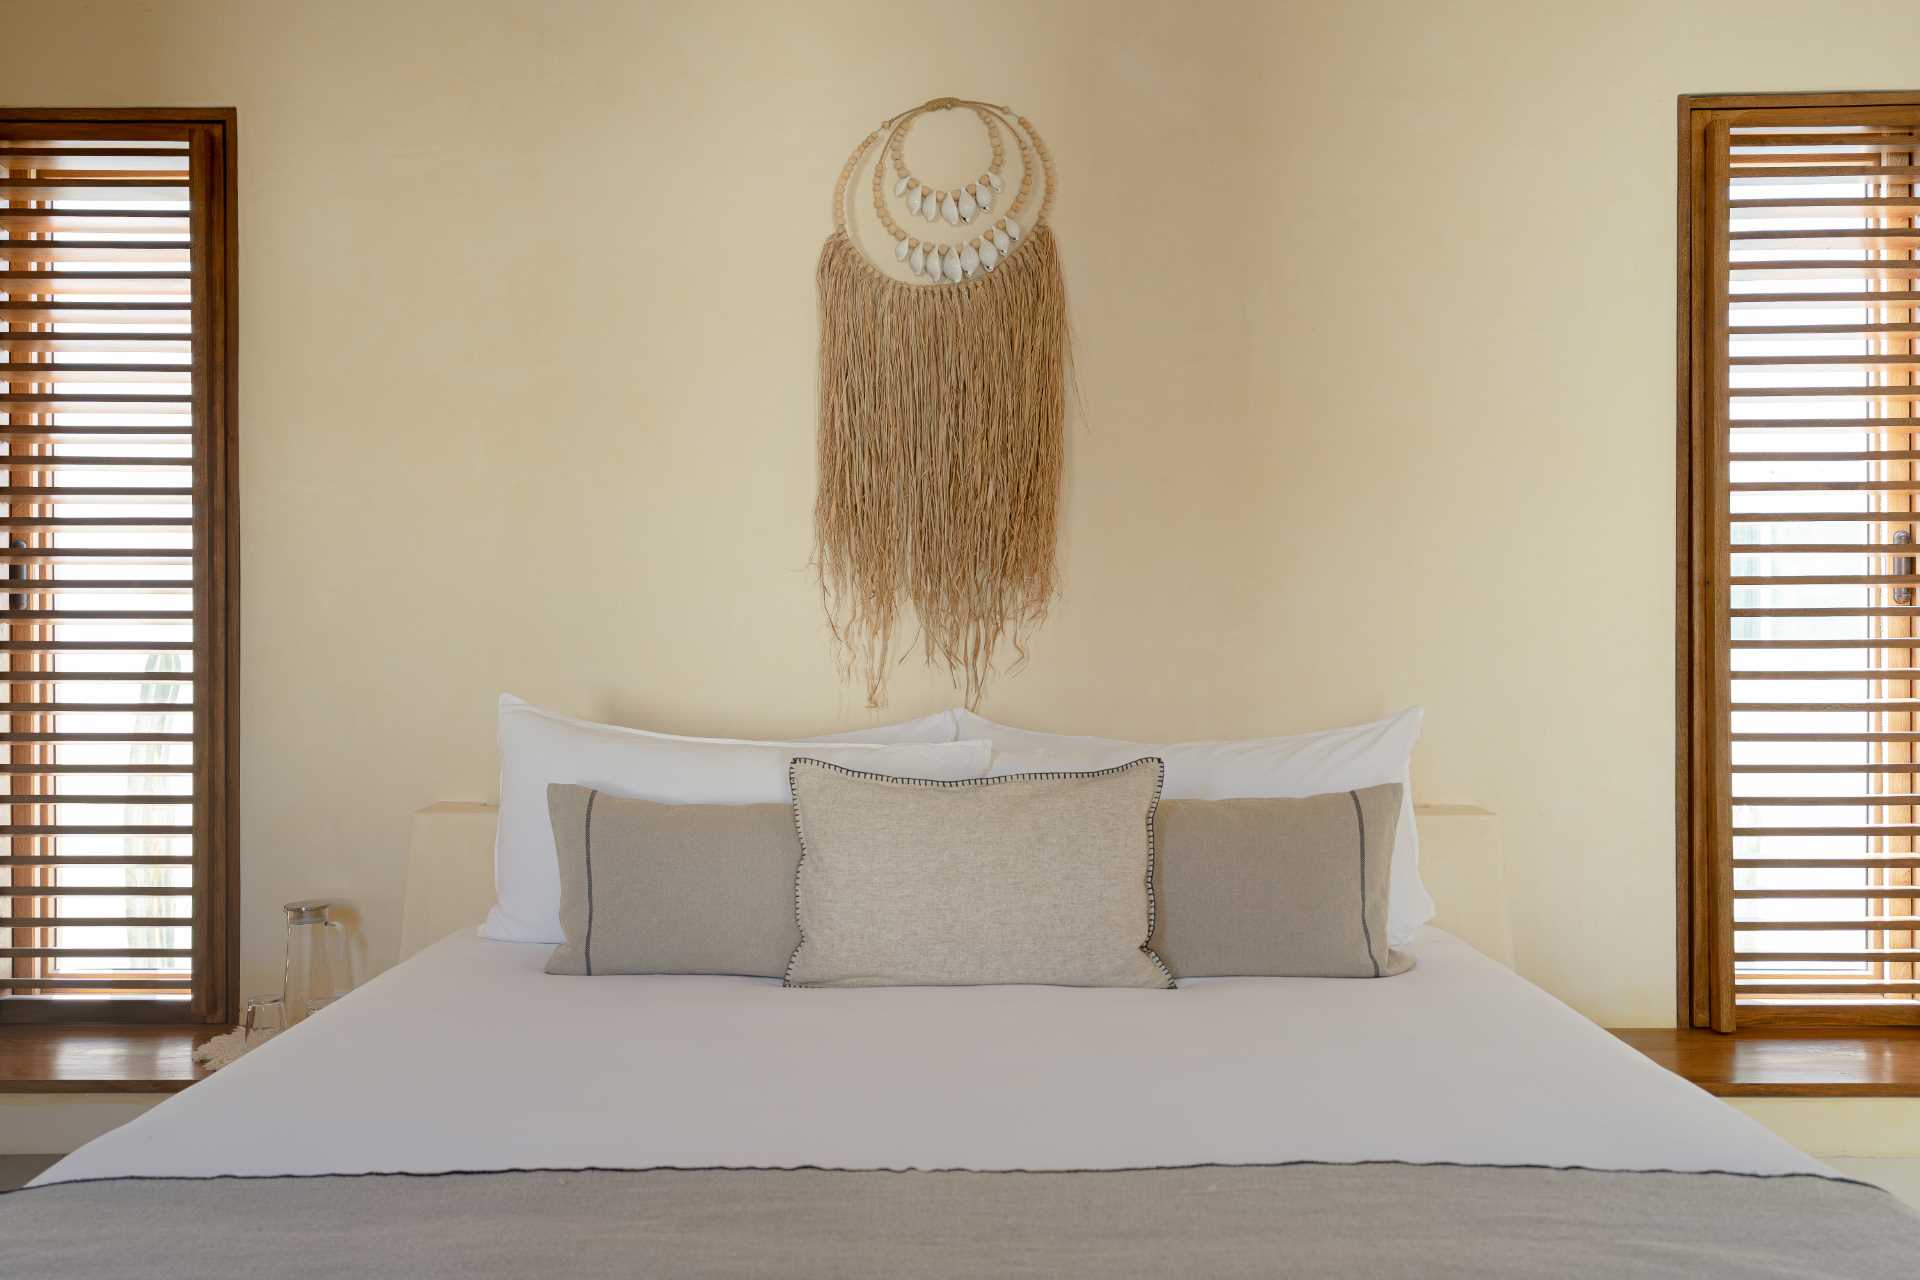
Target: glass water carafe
[{"x": 317, "y": 972}]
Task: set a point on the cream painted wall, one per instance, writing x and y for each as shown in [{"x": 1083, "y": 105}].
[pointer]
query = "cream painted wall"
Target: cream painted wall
[{"x": 1374, "y": 311}]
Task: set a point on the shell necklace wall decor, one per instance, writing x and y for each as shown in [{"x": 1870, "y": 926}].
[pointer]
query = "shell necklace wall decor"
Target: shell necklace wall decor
[{"x": 942, "y": 407}]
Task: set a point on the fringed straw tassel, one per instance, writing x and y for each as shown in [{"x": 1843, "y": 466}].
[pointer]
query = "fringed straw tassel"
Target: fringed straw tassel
[{"x": 942, "y": 411}]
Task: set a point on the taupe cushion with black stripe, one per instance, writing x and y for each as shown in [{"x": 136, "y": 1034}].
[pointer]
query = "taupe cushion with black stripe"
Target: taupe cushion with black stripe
[
  {"x": 1031, "y": 878},
  {"x": 1277, "y": 888},
  {"x": 672, "y": 888}
]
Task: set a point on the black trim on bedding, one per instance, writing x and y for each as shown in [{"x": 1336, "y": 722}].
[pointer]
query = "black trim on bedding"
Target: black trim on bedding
[
  {"x": 1360, "y": 816},
  {"x": 817, "y": 1168},
  {"x": 586, "y": 947}
]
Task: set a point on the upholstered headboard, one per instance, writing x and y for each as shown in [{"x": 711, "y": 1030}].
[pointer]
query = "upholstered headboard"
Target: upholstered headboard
[{"x": 450, "y": 874}]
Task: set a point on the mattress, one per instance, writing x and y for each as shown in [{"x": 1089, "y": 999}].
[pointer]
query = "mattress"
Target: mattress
[
  {"x": 468, "y": 1057},
  {"x": 466, "y": 1115}
]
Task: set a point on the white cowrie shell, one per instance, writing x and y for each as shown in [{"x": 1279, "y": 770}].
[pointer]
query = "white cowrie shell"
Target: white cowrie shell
[
  {"x": 969, "y": 261},
  {"x": 933, "y": 271},
  {"x": 950, "y": 210},
  {"x": 1000, "y": 240},
  {"x": 993, "y": 180},
  {"x": 913, "y": 200},
  {"x": 951, "y": 265},
  {"x": 930, "y": 208},
  {"x": 917, "y": 260},
  {"x": 900, "y": 250},
  {"x": 967, "y": 207},
  {"x": 985, "y": 196},
  {"x": 1013, "y": 228},
  {"x": 989, "y": 256},
  {"x": 900, "y": 187}
]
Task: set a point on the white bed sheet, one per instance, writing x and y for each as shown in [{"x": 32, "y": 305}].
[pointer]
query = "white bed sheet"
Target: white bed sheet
[{"x": 468, "y": 1056}]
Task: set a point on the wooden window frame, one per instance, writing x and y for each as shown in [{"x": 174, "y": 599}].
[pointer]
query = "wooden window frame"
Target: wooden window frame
[
  {"x": 1705, "y": 995},
  {"x": 216, "y": 568}
]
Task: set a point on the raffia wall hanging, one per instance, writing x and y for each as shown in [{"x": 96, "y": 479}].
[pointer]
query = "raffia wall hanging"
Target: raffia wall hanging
[{"x": 942, "y": 407}]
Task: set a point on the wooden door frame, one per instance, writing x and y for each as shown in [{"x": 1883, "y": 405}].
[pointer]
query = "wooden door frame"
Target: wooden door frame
[
  {"x": 216, "y": 529},
  {"x": 1703, "y": 959}
]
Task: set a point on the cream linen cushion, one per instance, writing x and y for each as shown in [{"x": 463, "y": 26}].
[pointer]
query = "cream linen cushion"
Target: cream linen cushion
[{"x": 1043, "y": 878}]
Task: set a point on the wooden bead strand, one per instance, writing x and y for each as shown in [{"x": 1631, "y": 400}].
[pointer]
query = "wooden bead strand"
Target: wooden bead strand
[{"x": 1046, "y": 167}]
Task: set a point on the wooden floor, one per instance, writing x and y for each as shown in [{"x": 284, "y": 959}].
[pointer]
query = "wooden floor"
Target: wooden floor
[{"x": 17, "y": 1171}]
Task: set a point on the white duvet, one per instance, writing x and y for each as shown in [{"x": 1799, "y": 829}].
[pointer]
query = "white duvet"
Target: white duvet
[{"x": 470, "y": 1057}]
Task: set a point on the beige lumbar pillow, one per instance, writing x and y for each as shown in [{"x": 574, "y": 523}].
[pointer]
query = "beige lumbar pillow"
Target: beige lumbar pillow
[
  {"x": 1034, "y": 878},
  {"x": 672, "y": 888},
  {"x": 1278, "y": 888}
]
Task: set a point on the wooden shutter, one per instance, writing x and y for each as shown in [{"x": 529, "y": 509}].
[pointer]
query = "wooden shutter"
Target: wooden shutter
[
  {"x": 116, "y": 352},
  {"x": 1800, "y": 659}
]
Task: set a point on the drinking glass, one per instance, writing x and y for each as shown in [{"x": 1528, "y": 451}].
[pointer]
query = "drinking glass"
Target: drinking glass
[{"x": 266, "y": 1018}]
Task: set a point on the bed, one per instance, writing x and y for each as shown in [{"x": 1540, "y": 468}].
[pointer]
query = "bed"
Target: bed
[{"x": 466, "y": 1114}]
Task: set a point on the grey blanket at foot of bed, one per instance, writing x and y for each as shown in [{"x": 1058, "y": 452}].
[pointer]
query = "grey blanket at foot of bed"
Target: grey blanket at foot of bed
[{"x": 1377, "y": 1220}]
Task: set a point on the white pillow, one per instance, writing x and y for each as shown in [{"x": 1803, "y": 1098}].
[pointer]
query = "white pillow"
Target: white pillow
[
  {"x": 1306, "y": 764},
  {"x": 538, "y": 747},
  {"x": 938, "y": 727}
]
